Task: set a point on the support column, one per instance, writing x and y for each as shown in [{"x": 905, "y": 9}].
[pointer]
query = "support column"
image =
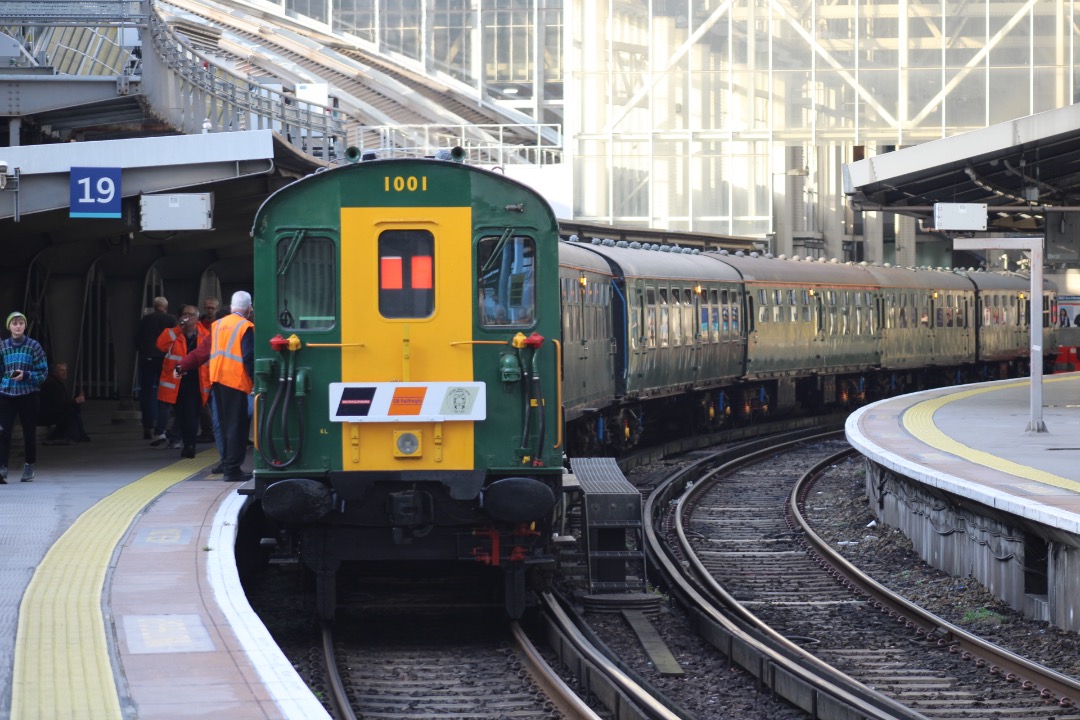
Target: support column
[{"x": 905, "y": 241}]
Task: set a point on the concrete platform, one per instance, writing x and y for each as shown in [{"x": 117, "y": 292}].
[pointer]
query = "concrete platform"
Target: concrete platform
[
  {"x": 978, "y": 494},
  {"x": 119, "y": 596}
]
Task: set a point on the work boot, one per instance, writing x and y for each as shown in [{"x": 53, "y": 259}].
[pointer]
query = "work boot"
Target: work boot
[
  {"x": 188, "y": 452},
  {"x": 28, "y": 473}
]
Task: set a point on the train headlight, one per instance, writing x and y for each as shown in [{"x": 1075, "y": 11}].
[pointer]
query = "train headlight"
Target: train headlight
[{"x": 406, "y": 444}]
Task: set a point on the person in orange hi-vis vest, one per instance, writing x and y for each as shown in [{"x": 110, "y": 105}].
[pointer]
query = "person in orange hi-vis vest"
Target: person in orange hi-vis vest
[
  {"x": 185, "y": 394},
  {"x": 232, "y": 361}
]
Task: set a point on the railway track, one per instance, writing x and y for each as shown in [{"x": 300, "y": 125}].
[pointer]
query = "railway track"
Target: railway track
[
  {"x": 436, "y": 666},
  {"x": 403, "y": 662},
  {"x": 866, "y": 648}
]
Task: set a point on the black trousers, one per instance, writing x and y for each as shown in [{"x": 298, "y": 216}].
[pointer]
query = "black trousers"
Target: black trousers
[
  {"x": 188, "y": 402},
  {"x": 232, "y": 405},
  {"x": 26, "y": 407}
]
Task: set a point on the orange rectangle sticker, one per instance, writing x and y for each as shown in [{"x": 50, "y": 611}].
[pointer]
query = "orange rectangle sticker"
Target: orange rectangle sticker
[
  {"x": 390, "y": 273},
  {"x": 421, "y": 273},
  {"x": 407, "y": 401}
]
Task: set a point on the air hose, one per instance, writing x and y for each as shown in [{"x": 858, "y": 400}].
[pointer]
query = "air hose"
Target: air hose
[
  {"x": 538, "y": 395},
  {"x": 525, "y": 389},
  {"x": 281, "y": 407}
]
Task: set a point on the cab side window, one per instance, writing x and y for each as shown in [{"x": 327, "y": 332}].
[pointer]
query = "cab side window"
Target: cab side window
[
  {"x": 506, "y": 276},
  {"x": 306, "y": 282}
]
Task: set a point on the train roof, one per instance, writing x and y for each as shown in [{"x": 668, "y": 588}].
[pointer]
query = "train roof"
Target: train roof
[
  {"x": 575, "y": 256},
  {"x": 919, "y": 278},
  {"x": 673, "y": 264},
  {"x": 1005, "y": 281},
  {"x": 768, "y": 269}
]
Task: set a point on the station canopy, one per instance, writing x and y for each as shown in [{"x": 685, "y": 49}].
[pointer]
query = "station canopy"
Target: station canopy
[{"x": 1027, "y": 172}]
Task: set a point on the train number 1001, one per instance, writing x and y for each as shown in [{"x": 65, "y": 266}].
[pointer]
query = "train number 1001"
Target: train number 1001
[{"x": 405, "y": 184}]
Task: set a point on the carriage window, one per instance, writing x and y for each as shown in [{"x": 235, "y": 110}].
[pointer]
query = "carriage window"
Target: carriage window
[
  {"x": 650, "y": 318},
  {"x": 506, "y": 274},
  {"x": 664, "y": 319},
  {"x": 676, "y": 318},
  {"x": 564, "y": 289},
  {"x": 306, "y": 282},
  {"x": 703, "y": 318}
]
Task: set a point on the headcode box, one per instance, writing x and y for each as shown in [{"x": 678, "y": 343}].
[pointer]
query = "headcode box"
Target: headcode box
[
  {"x": 177, "y": 211},
  {"x": 959, "y": 216}
]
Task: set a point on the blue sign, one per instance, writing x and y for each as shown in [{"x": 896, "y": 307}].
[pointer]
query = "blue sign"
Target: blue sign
[{"x": 95, "y": 192}]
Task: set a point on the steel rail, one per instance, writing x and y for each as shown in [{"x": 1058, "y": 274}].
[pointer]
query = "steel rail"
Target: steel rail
[
  {"x": 787, "y": 669},
  {"x": 1054, "y": 685},
  {"x": 333, "y": 676},
  {"x": 554, "y": 687},
  {"x": 625, "y": 698}
]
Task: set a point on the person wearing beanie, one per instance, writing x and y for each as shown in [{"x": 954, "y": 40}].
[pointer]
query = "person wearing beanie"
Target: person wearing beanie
[{"x": 24, "y": 368}]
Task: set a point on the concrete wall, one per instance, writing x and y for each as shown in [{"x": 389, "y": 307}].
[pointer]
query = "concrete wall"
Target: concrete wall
[{"x": 971, "y": 540}]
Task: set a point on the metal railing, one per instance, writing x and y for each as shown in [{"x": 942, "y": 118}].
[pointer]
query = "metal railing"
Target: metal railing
[
  {"x": 196, "y": 95},
  {"x": 60, "y": 13},
  {"x": 484, "y": 144}
]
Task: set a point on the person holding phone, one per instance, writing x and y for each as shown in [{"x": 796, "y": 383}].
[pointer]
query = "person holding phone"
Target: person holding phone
[{"x": 25, "y": 368}]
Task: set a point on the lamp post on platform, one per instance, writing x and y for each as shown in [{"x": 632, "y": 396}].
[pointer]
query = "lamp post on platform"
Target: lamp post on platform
[{"x": 1033, "y": 246}]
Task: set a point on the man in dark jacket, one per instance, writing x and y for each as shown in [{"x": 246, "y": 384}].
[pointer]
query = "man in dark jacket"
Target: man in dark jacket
[
  {"x": 60, "y": 409},
  {"x": 151, "y": 360}
]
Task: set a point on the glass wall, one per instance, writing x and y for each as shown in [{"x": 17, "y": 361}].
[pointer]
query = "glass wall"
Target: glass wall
[
  {"x": 734, "y": 116},
  {"x": 715, "y": 113}
]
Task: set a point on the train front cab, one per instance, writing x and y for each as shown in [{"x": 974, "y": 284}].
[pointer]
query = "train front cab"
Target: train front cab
[{"x": 431, "y": 411}]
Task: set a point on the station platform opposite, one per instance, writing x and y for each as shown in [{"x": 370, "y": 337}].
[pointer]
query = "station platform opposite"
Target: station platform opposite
[
  {"x": 977, "y": 493},
  {"x": 119, "y": 594}
]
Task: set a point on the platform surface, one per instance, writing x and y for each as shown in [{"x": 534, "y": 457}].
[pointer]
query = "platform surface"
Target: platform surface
[
  {"x": 119, "y": 594},
  {"x": 973, "y": 440}
]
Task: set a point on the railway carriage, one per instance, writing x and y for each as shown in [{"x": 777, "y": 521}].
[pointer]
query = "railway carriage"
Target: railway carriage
[
  {"x": 1002, "y": 317},
  {"x": 678, "y": 334},
  {"x": 808, "y": 323},
  {"x": 406, "y": 384},
  {"x": 925, "y": 318},
  {"x": 590, "y": 348}
]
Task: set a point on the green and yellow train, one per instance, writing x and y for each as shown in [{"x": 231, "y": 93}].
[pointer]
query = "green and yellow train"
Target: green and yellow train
[{"x": 407, "y": 370}]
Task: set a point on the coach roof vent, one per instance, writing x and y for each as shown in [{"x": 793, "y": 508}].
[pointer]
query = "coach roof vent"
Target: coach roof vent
[
  {"x": 635, "y": 245},
  {"x": 608, "y": 242},
  {"x": 622, "y": 244}
]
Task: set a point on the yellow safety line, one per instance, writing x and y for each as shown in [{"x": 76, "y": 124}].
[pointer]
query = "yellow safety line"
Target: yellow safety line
[
  {"x": 919, "y": 421},
  {"x": 62, "y": 666}
]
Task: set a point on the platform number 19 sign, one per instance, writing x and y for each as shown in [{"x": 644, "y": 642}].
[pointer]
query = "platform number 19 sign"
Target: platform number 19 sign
[{"x": 95, "y": 192}]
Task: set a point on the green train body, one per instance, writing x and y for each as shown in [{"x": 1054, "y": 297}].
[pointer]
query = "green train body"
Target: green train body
[{"x": 407, "y": 369}]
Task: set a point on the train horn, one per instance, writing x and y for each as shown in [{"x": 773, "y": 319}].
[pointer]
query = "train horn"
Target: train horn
[
  {"x": 352, "y": 154},
  {"x": 457, "y": 154}
]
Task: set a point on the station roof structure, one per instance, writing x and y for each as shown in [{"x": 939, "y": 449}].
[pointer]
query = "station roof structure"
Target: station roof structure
[{"x": 1022, "y": 169}]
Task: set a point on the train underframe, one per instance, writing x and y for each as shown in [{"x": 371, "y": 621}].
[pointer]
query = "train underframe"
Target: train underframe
[
  {"x": 620, "y": 428},
  {"x": 406, "y": 527}
]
